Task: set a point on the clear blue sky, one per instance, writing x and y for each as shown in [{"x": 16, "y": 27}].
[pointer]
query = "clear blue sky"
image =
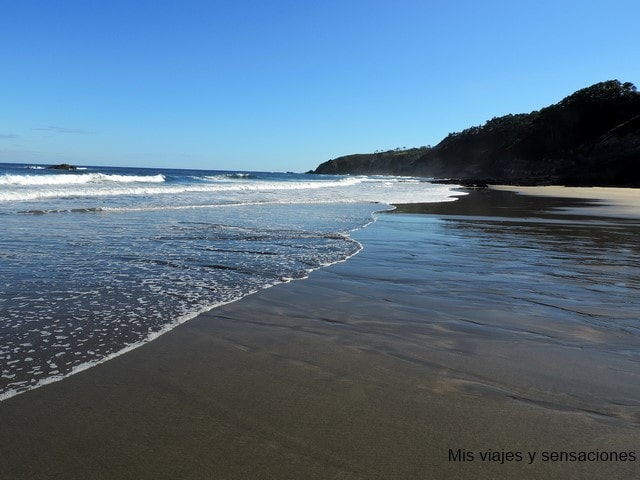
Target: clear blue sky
[{"x": 285, "y": 85}]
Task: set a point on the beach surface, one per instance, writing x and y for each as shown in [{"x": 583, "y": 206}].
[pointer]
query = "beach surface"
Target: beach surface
[
  {"x": 607, "y": 201},
  {"x": 488, "y": 338}
]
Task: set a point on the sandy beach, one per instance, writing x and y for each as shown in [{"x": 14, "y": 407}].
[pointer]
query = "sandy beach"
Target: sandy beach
[
  {"x": 606, "y": 201},
  {"x": 494, "y": 337}
]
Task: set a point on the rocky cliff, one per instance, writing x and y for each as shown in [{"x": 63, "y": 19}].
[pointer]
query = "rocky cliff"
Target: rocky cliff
[{"x": 591, "y": 137}]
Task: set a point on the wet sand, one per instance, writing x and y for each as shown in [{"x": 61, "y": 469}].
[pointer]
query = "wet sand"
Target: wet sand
[{"x": 500, "y": 321}]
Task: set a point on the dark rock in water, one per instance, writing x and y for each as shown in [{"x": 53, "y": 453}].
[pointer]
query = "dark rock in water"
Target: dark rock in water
[
  {"x": 62, "y": 166},
  {"x": 591, "y": 137}
]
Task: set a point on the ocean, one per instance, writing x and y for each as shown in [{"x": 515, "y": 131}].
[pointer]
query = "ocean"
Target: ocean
[{"x": 99, "y": 260}]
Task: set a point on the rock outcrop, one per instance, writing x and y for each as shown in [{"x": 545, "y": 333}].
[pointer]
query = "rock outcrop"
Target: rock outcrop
[{"x": 62, "y": 166}]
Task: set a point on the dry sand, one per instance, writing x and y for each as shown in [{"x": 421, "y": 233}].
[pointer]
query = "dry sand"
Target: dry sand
[
  {"x": 608, "y": 201},
  {"x": 437, "y": 338}
]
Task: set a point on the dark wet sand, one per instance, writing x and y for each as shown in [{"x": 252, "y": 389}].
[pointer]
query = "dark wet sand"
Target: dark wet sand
[{"x": 487, "y": 323}]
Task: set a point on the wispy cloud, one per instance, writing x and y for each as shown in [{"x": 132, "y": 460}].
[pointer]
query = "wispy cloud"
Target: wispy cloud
[
  {"x": 58, "y": 129},
  {"x": 7, "y": 136}
]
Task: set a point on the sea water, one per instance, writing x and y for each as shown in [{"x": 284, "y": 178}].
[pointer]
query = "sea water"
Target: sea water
[{"x": 98, "y": 260}]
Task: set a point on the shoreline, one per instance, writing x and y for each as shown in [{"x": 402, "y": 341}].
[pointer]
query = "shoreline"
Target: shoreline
[
  {"x": 372, "y": 368},
  {"x": 163, "y": 331}
]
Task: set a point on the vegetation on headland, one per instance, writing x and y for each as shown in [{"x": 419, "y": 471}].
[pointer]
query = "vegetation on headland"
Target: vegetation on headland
[{"x": 591, "y": 137}]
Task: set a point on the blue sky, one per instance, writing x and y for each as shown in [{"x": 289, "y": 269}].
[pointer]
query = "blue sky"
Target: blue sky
[{"x": 285, "y": 85}]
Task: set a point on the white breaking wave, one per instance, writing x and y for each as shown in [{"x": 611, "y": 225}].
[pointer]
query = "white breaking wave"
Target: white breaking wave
[
  {"x": 106, "y": 185},
  {"x": 226, "y": 177},
  {"x": 73, "y": 179},
  {"x": 389, "y": 190}
]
